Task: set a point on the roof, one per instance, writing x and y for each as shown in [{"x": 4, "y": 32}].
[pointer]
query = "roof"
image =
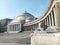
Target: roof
[{"x": 25, "y": 14}]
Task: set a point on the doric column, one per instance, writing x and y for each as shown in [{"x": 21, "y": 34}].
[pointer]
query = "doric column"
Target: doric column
[
  {"x": 53, "y": 12},
  {"x": 40, "y": 24},
  {"x": 20, "y": 28},
  {"x": 11, "y": 28},
  {"x": 49, "y": 20},
  {"x": 7, "y": 27},
  {"x": 52, "y": 19},
  {"x": 14, "y": 27},
  {"x": 57, "y": 11},
  {"x": 17, "y": 27},
  {"x": 45, "y": 22}
]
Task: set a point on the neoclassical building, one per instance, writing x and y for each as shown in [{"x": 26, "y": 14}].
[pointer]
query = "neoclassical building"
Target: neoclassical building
[
  {"x": 28, "y": 22},
  {"x": 17, "y": 24}
]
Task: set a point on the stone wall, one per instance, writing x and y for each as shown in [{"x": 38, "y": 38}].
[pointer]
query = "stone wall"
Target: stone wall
[{"x": 45, "y": 39}]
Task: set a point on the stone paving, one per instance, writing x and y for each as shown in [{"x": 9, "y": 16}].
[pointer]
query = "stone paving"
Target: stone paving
[
  {"x": 13, "y": 44},
  {"x": 15, "y": 38}
]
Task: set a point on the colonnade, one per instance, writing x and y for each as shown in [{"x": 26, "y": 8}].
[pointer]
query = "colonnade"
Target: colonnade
[
  {"x": 50, "y": 19},
  {"x": 31, "y": 27},
  {"x": 14, "y": 27}
]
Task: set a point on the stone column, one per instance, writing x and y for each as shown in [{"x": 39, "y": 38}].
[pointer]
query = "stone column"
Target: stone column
[
  {"x": 44, "y": 21},
  {"x": 7, "y": 27},
  {"x": 10, "y": 28},
  {"x": 52, "y": 19},
  {"x": 20, "y": 27},
  {"x": 47, "y": 21},
  {"x": 14, "y": 27},
  {"x": 17, "y": 27},
  {"x": 53, "y": 12},
  {"x": 57, "y": 10},
  {"x": 39, "y": 24}
]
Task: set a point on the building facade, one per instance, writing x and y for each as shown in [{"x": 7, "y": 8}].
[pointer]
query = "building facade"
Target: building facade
[
  {"x": 17, "y": 24},
  {"x": 27, "y": 22}
]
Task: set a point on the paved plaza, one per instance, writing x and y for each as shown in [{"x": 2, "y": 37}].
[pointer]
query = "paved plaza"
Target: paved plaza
[{"x": 22, "y": 38}]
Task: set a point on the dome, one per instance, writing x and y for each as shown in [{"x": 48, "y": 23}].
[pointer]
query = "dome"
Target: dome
[
  {"x": 25, "y": 17},
  {"x": 29, "y": 19}
]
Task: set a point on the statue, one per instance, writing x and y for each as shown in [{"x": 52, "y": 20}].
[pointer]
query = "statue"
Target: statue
[{"x": 43, "y": 26}]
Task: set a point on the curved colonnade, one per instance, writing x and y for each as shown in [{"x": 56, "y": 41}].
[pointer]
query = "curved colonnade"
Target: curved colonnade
[{"x": 51, "y": 17}]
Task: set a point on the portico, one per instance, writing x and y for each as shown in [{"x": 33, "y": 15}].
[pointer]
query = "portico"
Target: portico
[{"x": 14, "y": 28}]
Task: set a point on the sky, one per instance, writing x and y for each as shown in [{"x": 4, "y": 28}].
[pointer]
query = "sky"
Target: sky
[{"x": 13, "y": 8}]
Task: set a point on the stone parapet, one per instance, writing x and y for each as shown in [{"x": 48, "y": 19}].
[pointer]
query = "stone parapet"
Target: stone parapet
[{"x": 45, "y": 39}]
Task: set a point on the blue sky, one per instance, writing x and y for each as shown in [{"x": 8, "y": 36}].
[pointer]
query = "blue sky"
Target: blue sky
[{"x": 13, "y": 8}]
